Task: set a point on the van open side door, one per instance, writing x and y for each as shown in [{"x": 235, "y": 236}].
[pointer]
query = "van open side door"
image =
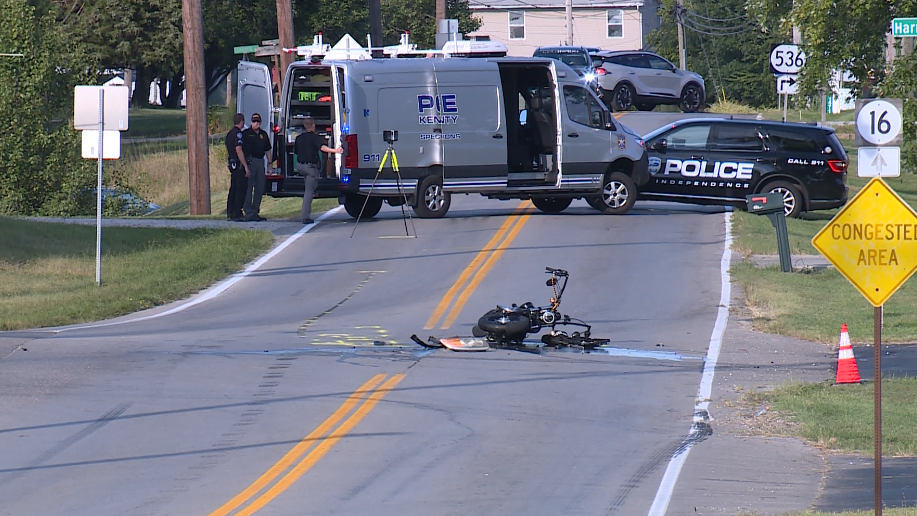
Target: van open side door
[
  {"x": 341, "y": 116},
  {"x": 558, "y": 116},
  {"x": 255, "y": 92}
]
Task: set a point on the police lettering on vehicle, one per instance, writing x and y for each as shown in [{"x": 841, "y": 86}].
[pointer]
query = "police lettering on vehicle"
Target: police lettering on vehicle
[
  {"x": 721, "y": 169},
  {"x": 437, "y": 109},
  {"x": 692, "y": 172}
]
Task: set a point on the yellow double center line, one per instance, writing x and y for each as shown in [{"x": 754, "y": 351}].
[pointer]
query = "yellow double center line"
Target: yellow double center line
[
  {"x": 479, "y": 267},
  {"x": 323, "y": 438}
]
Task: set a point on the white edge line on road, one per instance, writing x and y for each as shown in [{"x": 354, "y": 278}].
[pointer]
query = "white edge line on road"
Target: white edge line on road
[
  {"x": 217, "y": 289},
  {"x": 702, "y": 402}
]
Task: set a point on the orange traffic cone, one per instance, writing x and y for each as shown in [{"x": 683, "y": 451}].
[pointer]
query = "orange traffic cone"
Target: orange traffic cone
[{"x": 847, "y": 371}]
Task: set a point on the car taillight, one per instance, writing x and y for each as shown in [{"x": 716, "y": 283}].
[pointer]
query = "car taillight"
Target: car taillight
[
  {"x": 600, "y": 71},
  {"x": 352, "y": 152},
  {"x": 837, "y": 165}
]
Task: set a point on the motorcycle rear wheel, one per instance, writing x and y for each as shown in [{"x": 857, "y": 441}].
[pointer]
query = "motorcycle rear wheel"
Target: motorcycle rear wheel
[{"x": 505, "y": 326}]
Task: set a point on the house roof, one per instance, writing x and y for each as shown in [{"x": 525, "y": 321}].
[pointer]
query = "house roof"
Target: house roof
[{"x": 551, "y": 4}]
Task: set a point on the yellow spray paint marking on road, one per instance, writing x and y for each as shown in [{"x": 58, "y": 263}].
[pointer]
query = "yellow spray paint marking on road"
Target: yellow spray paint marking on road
[
  {"x": 324, "y": 437},
  {"x": 370, "y": 337},
  {"x": 475, "y": 271}
]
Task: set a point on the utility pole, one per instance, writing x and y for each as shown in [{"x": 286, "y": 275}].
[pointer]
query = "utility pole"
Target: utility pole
[
  {"x": 285, "y": 31},
  {"x": 569, "y": 11},
  {"x": 679, "y": 20},
  {"x": 440, "y": 12},
  {"x": 196, "y": 107},
  {"x": 375, "y": 27}
]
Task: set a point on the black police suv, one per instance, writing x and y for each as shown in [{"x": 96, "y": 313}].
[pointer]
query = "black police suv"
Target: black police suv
[{"x": 720, "y": 161}]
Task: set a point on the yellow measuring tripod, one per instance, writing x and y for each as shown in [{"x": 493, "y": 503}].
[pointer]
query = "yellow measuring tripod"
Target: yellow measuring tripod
[{"x": 405, "y": 215}]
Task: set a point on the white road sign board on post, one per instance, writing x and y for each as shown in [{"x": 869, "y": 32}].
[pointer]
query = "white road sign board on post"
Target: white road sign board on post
[
  {"x": 111, "y": 144},
  {"x": 878, "y": 122},
  {"x": 878, "y": 131},
  {"x": 787, "y": 59},
  {"x": 879, "y": 162},
  {"x": 787, "y": 85}
]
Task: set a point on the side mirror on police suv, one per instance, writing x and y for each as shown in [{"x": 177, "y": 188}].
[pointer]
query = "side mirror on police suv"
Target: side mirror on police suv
[
  {"x": 659, "y": 146},
  {"x": 763, "y": 203}
]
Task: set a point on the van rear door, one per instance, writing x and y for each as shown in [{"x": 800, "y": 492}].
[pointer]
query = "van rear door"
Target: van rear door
[{"x": 255, "y": 92}]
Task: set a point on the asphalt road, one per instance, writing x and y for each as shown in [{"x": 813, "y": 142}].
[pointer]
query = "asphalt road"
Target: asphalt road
[{"x": 302, "y": 374}]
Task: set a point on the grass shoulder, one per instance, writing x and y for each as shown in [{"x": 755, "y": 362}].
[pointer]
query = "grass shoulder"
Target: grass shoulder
[{"x": 47, "y": 271}]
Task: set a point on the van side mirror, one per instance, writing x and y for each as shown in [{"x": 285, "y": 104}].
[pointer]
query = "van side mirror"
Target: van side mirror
[
  {"x": 659, "y": 146},
  {"x": 609, "y": 124}
]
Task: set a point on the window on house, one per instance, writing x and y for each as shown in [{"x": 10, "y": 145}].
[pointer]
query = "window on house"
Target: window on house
[
  {"x": 615, "y": 19},
  {"x": 517, "y": 25}
]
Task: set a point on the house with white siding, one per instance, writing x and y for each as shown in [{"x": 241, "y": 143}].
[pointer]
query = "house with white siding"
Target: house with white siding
[{"x": 524, "y": 25}]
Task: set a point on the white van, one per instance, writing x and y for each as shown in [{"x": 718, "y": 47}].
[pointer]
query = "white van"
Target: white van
[{"x": 505, "y": 128}]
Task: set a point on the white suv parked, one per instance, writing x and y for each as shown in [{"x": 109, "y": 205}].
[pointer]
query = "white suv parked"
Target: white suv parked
[{"x": 644, "y": 80}]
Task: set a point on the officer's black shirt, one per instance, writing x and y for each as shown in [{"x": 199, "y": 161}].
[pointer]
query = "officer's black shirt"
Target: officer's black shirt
[
  {"x": 308, "y": 145},
  {"x": 233, "y": 140},
  {"x": 254, "y": 145}
]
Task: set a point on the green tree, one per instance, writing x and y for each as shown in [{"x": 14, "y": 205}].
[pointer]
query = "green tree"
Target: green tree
[
  {"x": 849, "y": 35},
  {"x": 731, "y": 53},
  {"x": 41, "y": 171}
]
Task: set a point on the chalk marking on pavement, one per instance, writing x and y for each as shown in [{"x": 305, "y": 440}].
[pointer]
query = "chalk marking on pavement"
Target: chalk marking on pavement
[
  {"x": 700, "y": 423},
  {"x": 218, "y": 288}
]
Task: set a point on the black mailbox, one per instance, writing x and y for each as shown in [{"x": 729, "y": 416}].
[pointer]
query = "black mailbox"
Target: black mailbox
[
  {"x": 763, "y": 203},
  {"x": 771, "y": 204}
]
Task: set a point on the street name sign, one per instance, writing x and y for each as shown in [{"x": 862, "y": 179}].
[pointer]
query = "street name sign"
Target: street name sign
[
  {"x": 879, "y": 161},
  {"x": 872, "y": 241},
  {"x": 904, "y": 27},
  {"x": 878, "y": 122},
  {"x": 787, "y": 85},
  {"x": 245, "y": 49},
  {"x": 787, "y": 59}
]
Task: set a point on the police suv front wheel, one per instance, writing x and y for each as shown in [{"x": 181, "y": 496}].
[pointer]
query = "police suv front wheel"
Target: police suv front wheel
[
  {"x": 619, "y": 193},
  {"x": 432, "y": 201},
  {"x": 792, "y": 197}
]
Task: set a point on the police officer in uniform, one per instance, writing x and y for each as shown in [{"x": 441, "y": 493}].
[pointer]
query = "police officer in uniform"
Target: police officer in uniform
[
  {"x": 255, "y": 142},
  {"x": 238, "y": 169},
  {"x": 308, "y": 145}
]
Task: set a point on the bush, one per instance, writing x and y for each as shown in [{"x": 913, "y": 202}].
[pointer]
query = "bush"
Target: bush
[{"x": 41, "y": 170}]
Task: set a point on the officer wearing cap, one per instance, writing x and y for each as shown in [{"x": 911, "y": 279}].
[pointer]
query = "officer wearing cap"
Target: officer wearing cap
[{"x": 255, "y": 143}]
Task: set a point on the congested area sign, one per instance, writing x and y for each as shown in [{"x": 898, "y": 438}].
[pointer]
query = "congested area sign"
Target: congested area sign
[{"x": 872, "y": 241}]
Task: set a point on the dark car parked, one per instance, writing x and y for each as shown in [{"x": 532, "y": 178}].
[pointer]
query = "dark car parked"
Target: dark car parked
[
  {"x": 720, "y": 161},
  {"x": 578, "y": 58}
]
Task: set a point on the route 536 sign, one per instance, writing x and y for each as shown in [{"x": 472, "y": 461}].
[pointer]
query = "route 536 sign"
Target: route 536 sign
[{"x": 787, "y": 59}]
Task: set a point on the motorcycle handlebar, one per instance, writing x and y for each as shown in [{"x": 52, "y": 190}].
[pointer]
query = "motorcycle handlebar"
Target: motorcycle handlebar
[{"x": 556, "y": 272}]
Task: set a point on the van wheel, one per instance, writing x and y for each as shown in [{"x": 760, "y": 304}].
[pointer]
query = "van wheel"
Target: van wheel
[
  {"x": 691, "y": 99},
  {"x": 432, "y": 201},
  {"x": 618, "y": 195},
  {"x": 623, "y": 97},
  {"x": 353, "y": 205},
  {"x": 792, "y": 197},
  {"x": 642, "y": 106},
  {"x": 552, "y": 204}
]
